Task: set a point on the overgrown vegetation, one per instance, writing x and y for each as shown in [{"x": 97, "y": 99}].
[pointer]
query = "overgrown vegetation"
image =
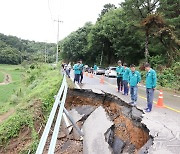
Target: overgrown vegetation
[{"x": 40, "y": 85}]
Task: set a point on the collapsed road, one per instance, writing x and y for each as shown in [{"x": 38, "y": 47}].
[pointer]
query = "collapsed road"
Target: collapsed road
[{"x": 109, "y": 124}]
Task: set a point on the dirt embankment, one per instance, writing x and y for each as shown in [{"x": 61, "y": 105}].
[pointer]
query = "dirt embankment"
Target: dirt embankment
[{"x": 24, "y": 139}]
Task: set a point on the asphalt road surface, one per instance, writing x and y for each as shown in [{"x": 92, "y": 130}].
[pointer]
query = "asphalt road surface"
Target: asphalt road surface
[{"x": 171, "y": 100}]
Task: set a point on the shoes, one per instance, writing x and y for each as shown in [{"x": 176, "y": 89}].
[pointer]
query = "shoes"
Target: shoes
[
  {"x": 131, "y": 103},
  {"x": 134, "y": 104},
  {"x": 148, "y": 110}
]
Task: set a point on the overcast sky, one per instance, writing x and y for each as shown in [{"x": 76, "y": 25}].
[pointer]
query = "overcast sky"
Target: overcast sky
[{"x": 33, "y": 19}]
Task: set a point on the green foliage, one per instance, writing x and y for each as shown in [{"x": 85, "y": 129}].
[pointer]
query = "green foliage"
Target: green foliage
[
  {"x": 9, "y": 55},
  {"x": 14, "y": 50},
  {"x": 74, "y": 47},
  {"x": 1, "y": 77},
  {"x": 156, "y": 61},
  {"x": 6, "y": 91},
  {"x": 170, "y": 77},
  {"x": 43, "y": 87},
  {"x": 13, "y": 125}
]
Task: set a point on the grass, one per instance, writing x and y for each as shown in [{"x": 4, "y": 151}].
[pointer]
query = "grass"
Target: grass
[
  {"x": 1, "y": 77},
  {"x": 6, "y": 91},
  {"x": 42, "y": 83}
]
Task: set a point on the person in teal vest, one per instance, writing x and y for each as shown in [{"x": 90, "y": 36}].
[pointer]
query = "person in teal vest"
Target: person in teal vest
[
  {"x": 95, "y": 69},
  {"x": 125, "y": 79},
  {"x": 134, "y": 79},
  {"x": 119, "y": 70},
  {"x": 77, "y": 71},
  {"x": 151, "y": 80},
  {"x": 81, "y": 66}
]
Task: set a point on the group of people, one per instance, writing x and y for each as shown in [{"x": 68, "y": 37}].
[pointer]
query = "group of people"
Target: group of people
[
  {"x": 66, "y": 68},
  {"x": 128, "y": 79}
]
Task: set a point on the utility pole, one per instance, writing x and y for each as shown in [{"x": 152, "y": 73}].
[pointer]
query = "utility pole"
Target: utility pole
[
  {"x": 58, "y": 21},
  {"x": 45, "y": 54}
]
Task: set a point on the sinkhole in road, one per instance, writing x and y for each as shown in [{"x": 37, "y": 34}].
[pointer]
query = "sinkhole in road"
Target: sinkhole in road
[{"x": 109, "y": 124}]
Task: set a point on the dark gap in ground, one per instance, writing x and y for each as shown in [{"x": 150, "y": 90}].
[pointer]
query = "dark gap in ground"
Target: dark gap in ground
[{"x": 126, "y": 135}]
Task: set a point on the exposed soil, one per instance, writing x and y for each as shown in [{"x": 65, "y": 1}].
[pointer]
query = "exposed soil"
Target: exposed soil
[
  {"x": 6, "y": 115},
  {"x": 38, "y": 117},
  {"x": 24, "y": 138},
  {"x": 19, "y": 143},
  {"x": 7, "y": 79},
  {"x": 127, "y": 127}
]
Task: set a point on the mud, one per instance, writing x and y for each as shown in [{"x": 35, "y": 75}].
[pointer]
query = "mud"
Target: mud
[{"x": 127, "y": 131}]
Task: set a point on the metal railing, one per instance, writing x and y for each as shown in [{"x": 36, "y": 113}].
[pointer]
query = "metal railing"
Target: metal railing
[{"x": 59, "y": 102}]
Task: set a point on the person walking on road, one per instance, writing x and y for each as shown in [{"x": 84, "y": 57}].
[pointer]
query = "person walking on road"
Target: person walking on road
[
  {"x": 125, "y": 79},
  {"x": 95, "y": 69},
  {"x": 77, "y": 72},
  {"x": 134, "y": 79},
  {"x": 119, "y": 70},
  {"x": 69, "y": 67},
  {"x": 151, "y": 79},
  {"x": 81, "y": 66}
]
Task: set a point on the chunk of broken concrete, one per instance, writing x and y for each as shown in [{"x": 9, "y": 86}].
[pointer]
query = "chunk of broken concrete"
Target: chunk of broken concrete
[
  {"x": 94, "y": 128},
  {"x": 118, "y": 145}
]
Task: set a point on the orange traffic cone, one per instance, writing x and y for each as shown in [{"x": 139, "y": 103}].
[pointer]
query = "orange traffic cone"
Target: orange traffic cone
[
  {"x": 160, "y": 99},
  {"x": 102, "y": 79},
  {"x": 91, "y": 75}
]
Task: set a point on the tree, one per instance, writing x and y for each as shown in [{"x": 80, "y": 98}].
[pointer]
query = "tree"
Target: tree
[
  {"x": 106, "y": 8},
  {"x": 138, "y": 10},
  {"x": 74, "y": 46}
]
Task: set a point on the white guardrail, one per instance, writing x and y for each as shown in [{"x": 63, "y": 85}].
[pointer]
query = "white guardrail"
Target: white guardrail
[{"x": 60, "y": 101}]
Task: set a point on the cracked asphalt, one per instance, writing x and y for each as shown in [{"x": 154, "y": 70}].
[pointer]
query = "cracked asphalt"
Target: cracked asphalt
[{"x": 163, "y": 123}]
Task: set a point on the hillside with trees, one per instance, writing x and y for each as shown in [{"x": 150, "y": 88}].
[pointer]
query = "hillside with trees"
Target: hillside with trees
[
  {"x": 14, "y": 50},
  {"x": 137, "y": 31}
]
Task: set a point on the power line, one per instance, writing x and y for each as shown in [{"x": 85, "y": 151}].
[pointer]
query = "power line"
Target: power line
[{"x": 50, "y": 10}]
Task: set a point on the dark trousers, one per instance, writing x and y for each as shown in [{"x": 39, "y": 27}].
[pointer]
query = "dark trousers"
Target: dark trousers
[
  {"x": 119, "y": 83},
  {"x": 76, "y": 77},
  {"x": 81, "y": 77},
  {"x": 150, "y": 97},
  {"x": 133, "y": 91},
  {"x": 68, "y": 73},
  {"x": 126, "y": 89}
]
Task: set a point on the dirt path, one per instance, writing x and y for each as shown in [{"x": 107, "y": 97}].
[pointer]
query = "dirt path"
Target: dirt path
[
  {"x": 6, "y": 115},
  {"x": 7, "y": 79}
]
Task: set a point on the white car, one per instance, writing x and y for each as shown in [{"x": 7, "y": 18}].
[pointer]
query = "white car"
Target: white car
[{"x": 111, "y": 72}]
